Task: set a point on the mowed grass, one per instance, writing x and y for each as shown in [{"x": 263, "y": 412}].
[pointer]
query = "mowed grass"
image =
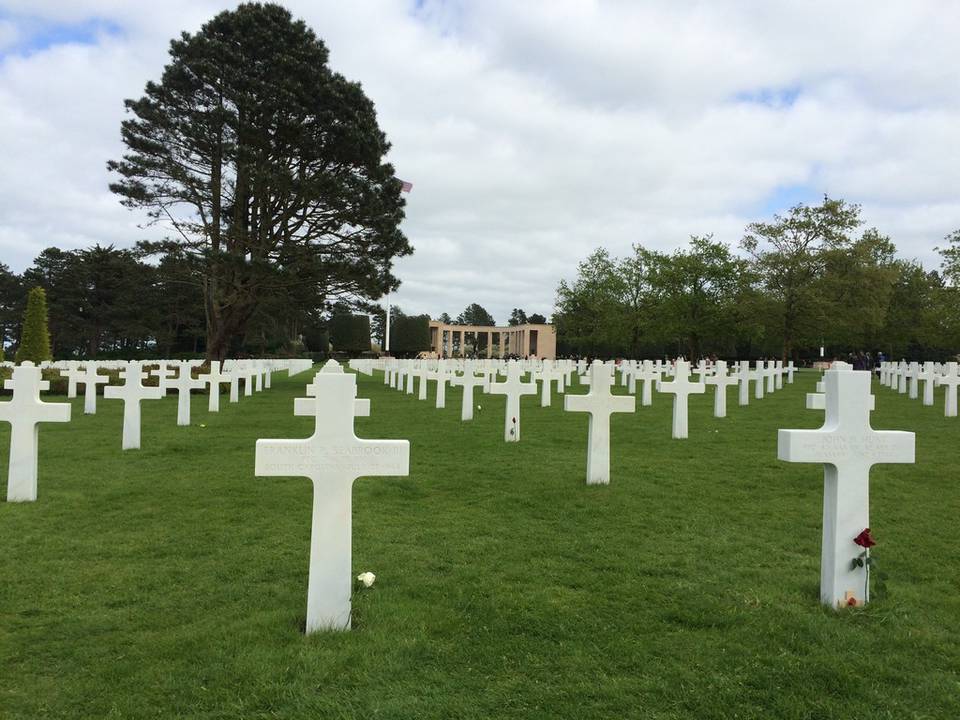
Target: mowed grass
[{"x": 170, "y": 582}]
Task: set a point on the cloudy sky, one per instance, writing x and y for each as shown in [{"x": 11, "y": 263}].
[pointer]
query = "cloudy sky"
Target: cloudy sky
[{"x": 535, "y": 131}]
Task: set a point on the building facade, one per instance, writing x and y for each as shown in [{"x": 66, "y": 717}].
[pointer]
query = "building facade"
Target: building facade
[{"x": 487, "y": 341}]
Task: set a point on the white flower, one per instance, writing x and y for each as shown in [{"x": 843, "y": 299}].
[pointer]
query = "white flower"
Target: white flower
[
  {"x": 479, "y": 407},
  {"x": 367, "y": 578}
]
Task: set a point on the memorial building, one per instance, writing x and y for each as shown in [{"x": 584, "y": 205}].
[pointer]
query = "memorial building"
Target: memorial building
[{"x": 527, "y": 340}]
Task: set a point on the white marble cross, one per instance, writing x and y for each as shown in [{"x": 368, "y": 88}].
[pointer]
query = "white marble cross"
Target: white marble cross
[
  {"x": 213, "y": 380},
  {"x": 442, "y": 375},
  {"x": 848, "y": 447},
  {"x": 600, "y": 403},
  {"x": 949, "y": 381},
  {"x": 790, "y": 369},
  {"x": 74, "y": 375},
  {"x": 720, "y": 380},
  {"x": 307, "y": 407},
  {"x": 927, "y": 375},
  {"x": 24, "y": 411},
  {"x": 513, "y": 387},
  {"x": 648, "y": 374},
  {"x": 332, "y": 458},
  {"x": 913, "y": 384},
  {"x": 468, "y": 381},
  {"x": 758, "y": 375},
  {"x": 183, "y": 384},
  {"x": 770, "y": 373},
  {"x": 131, "y": 392},
  {"x": 547, "y": 375},
  {"x": 423, "y": 377},
  {"x": 163, "y": 373},
  {"x": 681, "y": 388},
  {"x": 743, "y": 377},
  {"x": 91, "y": 378},
  {"x": 778, "y": 366}
]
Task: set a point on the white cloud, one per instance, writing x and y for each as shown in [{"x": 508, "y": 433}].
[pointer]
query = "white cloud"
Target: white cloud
[{"x": 534, "y": 132}]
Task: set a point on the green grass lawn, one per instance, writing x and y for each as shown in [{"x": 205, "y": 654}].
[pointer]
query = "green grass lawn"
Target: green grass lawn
[{"x": 170, "y": 582}]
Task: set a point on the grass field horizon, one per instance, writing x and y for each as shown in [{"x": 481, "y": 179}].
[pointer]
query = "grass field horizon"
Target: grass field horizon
[{"x": 171, "y": 582}]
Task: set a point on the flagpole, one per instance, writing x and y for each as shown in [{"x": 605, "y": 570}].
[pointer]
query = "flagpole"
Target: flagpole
[{"x": 386, "y": 342}]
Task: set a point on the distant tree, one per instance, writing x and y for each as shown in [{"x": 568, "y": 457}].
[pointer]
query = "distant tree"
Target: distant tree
[
  {"x": 589, "y": 311},
  {"x": 517, "y": 317},
  {"x": 445, "y": 319},
  {"x": 267, "y": 166},
  {"x": 537, "y": 319},
  {"x": 788, "y": 255},
  {"x": 11, "y": 304},
  {"x": 474, "y": 314},
  {"x": 349, "y": 333},
  {"x": 35, "y": 335},
  {"x": 697, "y": 287},
  {"x": 950, "y": 258},
  {"x": 409, "y": 334}
]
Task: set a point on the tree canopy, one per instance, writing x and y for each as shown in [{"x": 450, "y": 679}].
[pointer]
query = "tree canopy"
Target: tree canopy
[
  {"x": 811, "y": 277},
  {"x": 267, "y": 166},
  {"x": 474, "y": 314}
]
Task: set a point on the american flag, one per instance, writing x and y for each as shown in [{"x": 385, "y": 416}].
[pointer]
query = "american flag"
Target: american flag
[{"x": 405, "y": 186}]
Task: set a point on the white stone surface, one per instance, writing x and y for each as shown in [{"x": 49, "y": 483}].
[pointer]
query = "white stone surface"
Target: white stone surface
[
  {"x": 648, "y": 374},
  {"x": 743, "y": 378},
  {"x": 681, "y": 388},
  {"x": 91, "y": 378},
  {"x": 132, "y": 392},
  {"x": 721, "y": 381},
  {"x": 848, "y": 447},
  {"x": 927, "y": 375},
  {"x": 513, "y": 387},
  {"x": 441, "y": 375},
  {"x": 24, "y": 411},
  {"x": 949, "y": 381},
  {"x": 468, "y": 381},
  {"x": 332, "y": 458},
  {"x": 213, "y": 379},
  {"x": 600, "y": 403},
  {"x": 183, "y": 383}
]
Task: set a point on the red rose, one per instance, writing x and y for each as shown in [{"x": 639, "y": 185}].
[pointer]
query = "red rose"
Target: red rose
[
  {"x": 852, "y": 602},
  {"x": 865, "y": 539}
]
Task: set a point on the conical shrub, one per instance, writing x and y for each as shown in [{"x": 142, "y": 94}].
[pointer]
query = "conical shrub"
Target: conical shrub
[{"x": 35, "y": 337}]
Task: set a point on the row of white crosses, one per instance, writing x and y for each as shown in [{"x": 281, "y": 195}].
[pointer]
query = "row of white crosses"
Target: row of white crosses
[
  {"x": 905, "y": 377},
  {"x": 26, "y": 410},
  {"x": 410, "y": 375}
]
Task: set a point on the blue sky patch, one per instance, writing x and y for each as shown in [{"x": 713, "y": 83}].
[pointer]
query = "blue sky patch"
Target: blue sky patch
[
  {"x": 770, "y": 97},
  {"x": 39, "y": 35}
]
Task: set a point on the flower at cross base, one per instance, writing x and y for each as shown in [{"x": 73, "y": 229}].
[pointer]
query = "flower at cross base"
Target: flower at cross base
[
  {"x": 865, "y": 539},
  {"x": 367, "y": 578}
]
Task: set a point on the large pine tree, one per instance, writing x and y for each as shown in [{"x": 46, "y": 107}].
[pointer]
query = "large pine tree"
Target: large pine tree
[{"x": 268, "y": 167}]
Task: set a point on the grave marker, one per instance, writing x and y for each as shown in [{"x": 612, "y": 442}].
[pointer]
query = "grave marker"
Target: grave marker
[
  {"x": 681, "y": 388},
  {"x": 600, "y": 403},
  {"x": 513, "y": 387},
  {"x": 332, "y": 458},
  {"x": 132, "y": 392},
  {"x": 24, "y": 411},
  {"x": 848, "y": 447}
]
